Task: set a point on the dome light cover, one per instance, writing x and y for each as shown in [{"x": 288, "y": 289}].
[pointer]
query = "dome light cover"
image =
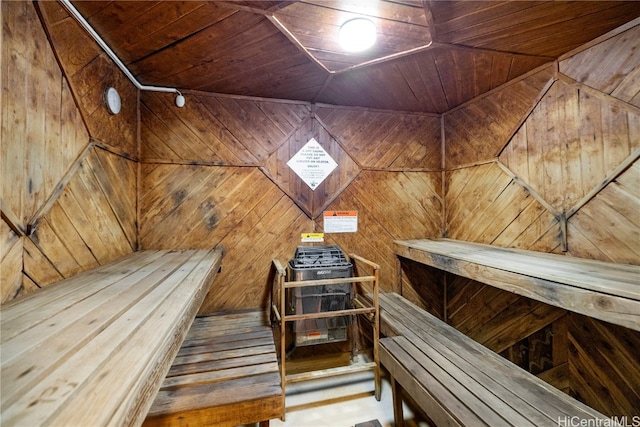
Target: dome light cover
[{"x": 357, "y": 35}]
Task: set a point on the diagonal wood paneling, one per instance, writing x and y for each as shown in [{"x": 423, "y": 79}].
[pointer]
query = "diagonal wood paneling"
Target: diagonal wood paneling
[
  {"x": 313, "y": 202},
  {"x": 478, "y": 130},
  {"x": 90, "y": 72},
  {"x": 608, "y": 226},
  {"x": 570, "y": 143},
  {"x": 196, "y": 206},
  {"x": 92, "y": 222},
  {"x": 188, "y": 206},
  {"x": 215, "y": 130},
  {"x": 604, "y": 366},
  {"x": 175, "y": 200},
  {"x": 611, "y": 66},
  {"x": 390, "y": 205},
  {"x": 485, "y": 205},
  {"x": 383, "y": 139},
  {"x": 565, "y": 150},
  {"x": 270, "y": 230},
  {"x": 493, "y": 317},
  {"x": 423, "y": 285},
  {"x": 11, "y": 246},
  {"x": 42, "y": 130},
  {"x": 38, "y": 269}
]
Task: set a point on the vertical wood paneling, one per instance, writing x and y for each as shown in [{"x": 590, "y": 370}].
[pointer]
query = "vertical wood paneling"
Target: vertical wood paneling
[
  {"x": 612, "y": 66},
  {"x": 572, "y": 141},
  {"x": 42, "y": 131},
  {"x": 604, "y": 366},
  {"x": 90, "y": 72},
  {"x": 569, "y": 154},
  {"x": 91, "y": 219},
  {"x": 480, "y": 129}
]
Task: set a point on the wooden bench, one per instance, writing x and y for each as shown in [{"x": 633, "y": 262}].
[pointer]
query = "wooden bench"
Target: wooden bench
[
  {"x": 603, "y": 290},
  {"x": 93, "y": 349},
  {"x": 457, "y": 381},
  {"x": 225, "y": 374}
]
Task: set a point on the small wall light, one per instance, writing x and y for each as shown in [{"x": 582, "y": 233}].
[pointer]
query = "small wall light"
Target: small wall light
[
  {"x": 357, "y": 34},
  {"x": 179, "y": 100},
  {"x": 112, "y": 100}
]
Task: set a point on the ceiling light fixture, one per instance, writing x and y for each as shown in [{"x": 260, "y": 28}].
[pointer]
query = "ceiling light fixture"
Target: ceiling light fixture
[{"x": 357, "y": 35}]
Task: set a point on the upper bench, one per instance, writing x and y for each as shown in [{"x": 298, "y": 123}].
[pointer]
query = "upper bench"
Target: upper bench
[
  {"x": 93, "y": 349},
  {"x": 603, "y": 290}
]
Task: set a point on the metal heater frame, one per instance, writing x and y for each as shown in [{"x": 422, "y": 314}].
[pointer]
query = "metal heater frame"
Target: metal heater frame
[{"x": 370, "y": 309}]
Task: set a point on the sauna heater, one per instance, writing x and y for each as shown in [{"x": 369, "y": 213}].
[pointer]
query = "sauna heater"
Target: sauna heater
[{"x": 313, "y": 263}]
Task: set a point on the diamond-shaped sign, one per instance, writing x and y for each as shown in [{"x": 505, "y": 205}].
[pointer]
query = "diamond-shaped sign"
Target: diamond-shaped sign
[{"x": 312, "y": 164}]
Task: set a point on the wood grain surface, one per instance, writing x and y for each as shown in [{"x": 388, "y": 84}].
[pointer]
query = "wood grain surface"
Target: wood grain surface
[{"x": 128, "y": 317}]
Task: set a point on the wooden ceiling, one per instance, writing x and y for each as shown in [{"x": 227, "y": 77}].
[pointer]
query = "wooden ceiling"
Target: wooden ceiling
[{"x": 430, "y": 56}]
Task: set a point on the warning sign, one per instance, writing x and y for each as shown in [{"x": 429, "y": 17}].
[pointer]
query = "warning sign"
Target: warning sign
[
  {"x": 312, "y": 237},
  {"x": 340, "y": 221},
  {"x": 312, "y": 164}
]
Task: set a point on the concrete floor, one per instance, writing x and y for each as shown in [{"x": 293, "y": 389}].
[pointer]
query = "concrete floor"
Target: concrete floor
[{"x": 340, "y": 402}]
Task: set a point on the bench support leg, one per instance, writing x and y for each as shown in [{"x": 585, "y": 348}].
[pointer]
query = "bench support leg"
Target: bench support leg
[
  {"x": 264, "y": 423},
  {"x": 396, "y": 390}
]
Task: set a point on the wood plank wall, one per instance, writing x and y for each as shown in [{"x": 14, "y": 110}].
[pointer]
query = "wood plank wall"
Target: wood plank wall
[
  {"x": 69, "y": 174},
  {"x": 550, "y": 163},
  {"x": 212, "y": 173}
]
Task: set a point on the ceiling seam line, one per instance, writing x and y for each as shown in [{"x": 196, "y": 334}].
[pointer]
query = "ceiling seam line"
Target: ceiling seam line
[{"x": 105, "y": 47}]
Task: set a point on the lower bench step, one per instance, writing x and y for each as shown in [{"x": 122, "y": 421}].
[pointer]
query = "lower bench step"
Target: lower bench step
[
  {"x": 331, "y": 372},
  {"x": 457, "y": 381},
  {"x": 225, "y": 374}
]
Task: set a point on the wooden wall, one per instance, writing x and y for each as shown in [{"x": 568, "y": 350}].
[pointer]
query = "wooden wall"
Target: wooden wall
[
  {"x": 68, "y": 195},
  {"x": 212, "y": 173},
  {"x": 550, "y": 163}
]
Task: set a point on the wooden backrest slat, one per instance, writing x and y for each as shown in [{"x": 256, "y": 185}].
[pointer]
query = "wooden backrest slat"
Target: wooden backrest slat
[{"x": 108, "y": 351}]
